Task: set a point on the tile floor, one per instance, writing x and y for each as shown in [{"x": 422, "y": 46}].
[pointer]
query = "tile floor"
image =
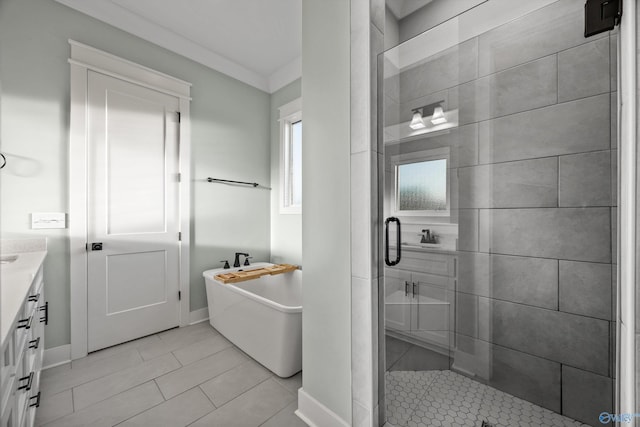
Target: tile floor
[
  {"x": 188, "y": 376},
  {"x": 445, "y": 398}
]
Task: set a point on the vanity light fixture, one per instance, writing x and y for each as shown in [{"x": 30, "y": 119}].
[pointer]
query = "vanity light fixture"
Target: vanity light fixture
[
  {"x": 417, "y": 122},
  {"x": 438, "y": 117}
]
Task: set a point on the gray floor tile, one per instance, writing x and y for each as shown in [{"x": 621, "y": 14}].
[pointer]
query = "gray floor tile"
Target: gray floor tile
[
  {"x": 100, "y": 355},
  {"x": 54, "y": 407},
  {"x": 180, "y": 411},
  {"x": 114, "y": 410},
  {"x": 251, "y": 408},
  {"x": 292, "y": 383},
  {"x": 189, "y": 376},
  {"x": 105, "y": 387},
  {"x": 233, "y": 383},
  {"x": 201, "y": 349},
  {"x": 178, "y": 338},
  {"x": 285, "y": 418},
  {"x": 56, "y": 369},
  {"x": 64, "y": 380}
]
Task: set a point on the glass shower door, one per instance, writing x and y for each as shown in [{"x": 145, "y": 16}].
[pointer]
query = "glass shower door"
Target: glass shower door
[{"x": 499, "y": 181}]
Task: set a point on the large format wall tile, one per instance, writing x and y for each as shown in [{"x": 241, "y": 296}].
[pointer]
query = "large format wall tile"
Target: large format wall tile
[
  {"x": 521, "y": 88},
  {"x": 474, "y": 273},
  {"x": 462, "y": 141},
  {"x": 531, "y": 281},
  {"x": 585, "y": 179},
  {"x": 528, "y": 183},
  {"x": 525, "y": 280},
  {"x": 585, "y": 395},
  {"x": 466, "y": 314},
  {"x": 566, "y": 338},
  {"x": 450, "y": 68},
  {"x": 468, "y": 229},
  {"x": 567, "y": 128},
  {"x": 528, "y": 377},
  {"x": 585, "y": 288},
  {"x": 584, "y": 70},
  {"x": 546, "y": 31},
  {"x": 580, "y": 234}
]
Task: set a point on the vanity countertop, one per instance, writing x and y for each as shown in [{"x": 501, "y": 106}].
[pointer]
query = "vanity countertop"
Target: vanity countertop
[
  {"x": 432, "y": 248},
  {"x": 16, "y": 278}
]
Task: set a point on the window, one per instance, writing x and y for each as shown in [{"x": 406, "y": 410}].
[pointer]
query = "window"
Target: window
[
  {"x": 291, "y": 158},
  {"x": 422, "y": 183}
]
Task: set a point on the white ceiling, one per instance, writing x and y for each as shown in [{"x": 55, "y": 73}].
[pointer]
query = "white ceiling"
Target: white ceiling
[{"x": 255, "y": 41}]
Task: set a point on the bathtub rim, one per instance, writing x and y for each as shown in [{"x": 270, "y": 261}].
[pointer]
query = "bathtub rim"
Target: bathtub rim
[{"x": 209, "y": 275}]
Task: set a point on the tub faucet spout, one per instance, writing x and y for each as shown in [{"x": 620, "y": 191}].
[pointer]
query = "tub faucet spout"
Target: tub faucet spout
[{"x": 236, "y": 263}]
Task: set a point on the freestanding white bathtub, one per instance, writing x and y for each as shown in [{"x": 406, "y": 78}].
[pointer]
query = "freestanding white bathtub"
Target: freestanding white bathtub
[{"x": 263, "y": 317}]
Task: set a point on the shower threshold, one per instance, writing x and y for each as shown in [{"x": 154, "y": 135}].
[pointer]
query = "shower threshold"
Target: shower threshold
[{"x": 447, "y": 399}]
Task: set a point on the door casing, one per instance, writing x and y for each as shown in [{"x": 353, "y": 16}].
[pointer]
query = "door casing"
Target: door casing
[{"x": 84, "y": 58}]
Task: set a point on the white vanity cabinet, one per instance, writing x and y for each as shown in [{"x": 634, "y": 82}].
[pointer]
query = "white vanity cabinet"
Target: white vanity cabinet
[
  {"x": 420, "y": 295},
  {"x": 22, "y": 351}
]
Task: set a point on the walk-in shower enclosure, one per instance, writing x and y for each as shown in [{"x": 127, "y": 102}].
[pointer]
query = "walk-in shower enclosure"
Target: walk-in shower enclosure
[{"x": 498, "y": 129}]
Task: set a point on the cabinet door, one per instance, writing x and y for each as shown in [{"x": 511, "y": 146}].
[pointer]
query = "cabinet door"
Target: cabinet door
[
  {"x": 8, "y": 416},
  {"x": 397, "y": 302},
  {"x": 432, "y": 308}
]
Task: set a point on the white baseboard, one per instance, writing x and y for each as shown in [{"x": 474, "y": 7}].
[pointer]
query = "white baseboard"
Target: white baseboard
[
  {"x": 200, "y": 315},
  {"x": 56, "y": 356},
  {"x": 315, "y": 414}
]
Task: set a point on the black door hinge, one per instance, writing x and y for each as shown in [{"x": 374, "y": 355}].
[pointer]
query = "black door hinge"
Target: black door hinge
[
  {"x": 179, "y": 116},
  {"x": 601, "y": 16},
  {"x": 179, "y": 296}
]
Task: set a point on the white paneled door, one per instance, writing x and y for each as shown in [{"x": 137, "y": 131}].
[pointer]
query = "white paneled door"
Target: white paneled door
[{"x": 133, "y": 218}]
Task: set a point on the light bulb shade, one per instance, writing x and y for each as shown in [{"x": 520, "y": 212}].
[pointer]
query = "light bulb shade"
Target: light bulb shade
[
  {"x": 416, "y": 121},
  {"x": 438, "y": 116}
]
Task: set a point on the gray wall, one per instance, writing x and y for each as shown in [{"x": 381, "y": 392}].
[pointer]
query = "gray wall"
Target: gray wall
[
  {"x": 35, "y": 116},
  {"x": 326, "y": 230},
  {"x": 430, "y": 15},
  {"x": 534, "y": 167},
  {"x": 286, "y": 229}
]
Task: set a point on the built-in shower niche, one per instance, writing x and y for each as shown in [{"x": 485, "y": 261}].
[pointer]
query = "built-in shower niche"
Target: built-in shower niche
[{"x": 522, "y": 281}]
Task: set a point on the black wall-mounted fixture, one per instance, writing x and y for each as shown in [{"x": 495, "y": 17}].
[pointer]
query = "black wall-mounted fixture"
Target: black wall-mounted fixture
[{"x": 601, "y": 16}]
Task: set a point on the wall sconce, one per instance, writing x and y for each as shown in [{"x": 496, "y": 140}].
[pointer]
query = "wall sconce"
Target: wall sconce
[
  {"x": 438, "y": 117},
  {"x": 416, "y": 121}
]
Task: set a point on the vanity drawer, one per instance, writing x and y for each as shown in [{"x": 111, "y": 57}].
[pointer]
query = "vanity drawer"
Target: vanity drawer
[{"x": 428, "y": 263}]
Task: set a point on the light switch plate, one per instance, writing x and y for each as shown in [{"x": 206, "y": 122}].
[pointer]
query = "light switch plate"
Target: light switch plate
[{"x": 41, "y": 220}]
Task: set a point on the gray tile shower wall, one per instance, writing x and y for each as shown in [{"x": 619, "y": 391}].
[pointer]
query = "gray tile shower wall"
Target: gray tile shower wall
[{"x": 533, "y": 193}]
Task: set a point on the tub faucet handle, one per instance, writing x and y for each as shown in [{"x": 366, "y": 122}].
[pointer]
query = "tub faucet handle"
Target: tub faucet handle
[
  {"x": 246, "y": 260},
  {"x": 226, "y": 263}
]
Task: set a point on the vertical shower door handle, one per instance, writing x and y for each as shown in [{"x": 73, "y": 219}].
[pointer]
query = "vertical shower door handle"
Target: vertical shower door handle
[{"x": 386, "y": 244}]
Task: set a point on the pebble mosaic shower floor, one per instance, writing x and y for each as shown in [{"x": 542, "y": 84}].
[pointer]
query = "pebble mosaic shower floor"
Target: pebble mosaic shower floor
[{"x": 447, "y": 399}]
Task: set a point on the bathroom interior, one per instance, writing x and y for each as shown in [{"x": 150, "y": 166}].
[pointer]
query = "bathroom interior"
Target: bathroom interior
[{"x": 457, "y": 259}]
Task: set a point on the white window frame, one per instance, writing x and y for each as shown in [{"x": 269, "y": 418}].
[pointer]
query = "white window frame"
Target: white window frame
[
  {"x": 442, "y": 153},
  {"x": 290, "y": 113}
]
